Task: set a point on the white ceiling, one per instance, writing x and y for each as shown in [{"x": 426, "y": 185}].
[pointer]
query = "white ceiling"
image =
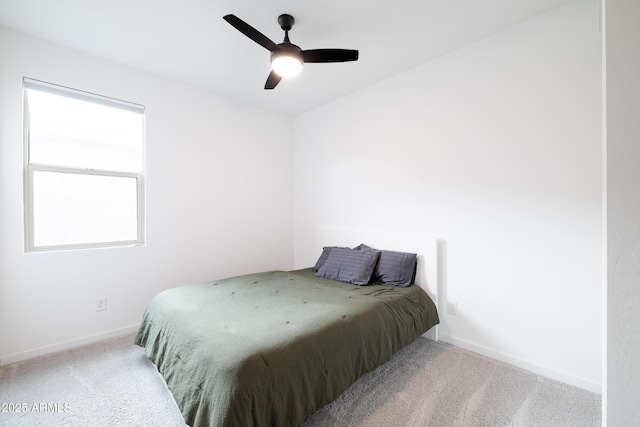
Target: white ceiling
[{"x": 189, "y": 41}]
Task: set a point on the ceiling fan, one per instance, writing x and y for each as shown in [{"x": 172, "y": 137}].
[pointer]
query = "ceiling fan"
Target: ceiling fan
[{"x": 286, "y": 57}]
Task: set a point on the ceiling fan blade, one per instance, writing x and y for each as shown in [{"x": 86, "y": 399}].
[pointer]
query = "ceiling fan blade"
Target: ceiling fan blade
[
  {"x": 251, "y": 32},
  {"x": 329, "y": 55},
  {"x": 272, "y": 80}
]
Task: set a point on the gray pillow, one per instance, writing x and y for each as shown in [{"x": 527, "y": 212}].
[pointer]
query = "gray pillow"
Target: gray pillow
[
  {"x": 323, "y": 257},
  {"x": 394, "y": 268},
  {"x": 349, "y": 265}
]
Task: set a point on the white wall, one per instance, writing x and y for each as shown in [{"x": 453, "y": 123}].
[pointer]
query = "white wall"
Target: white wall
[
  {"x": 496, "y": 149},
  {"x": 219, "y": 202},
  {"x": 622, "y": 394}
]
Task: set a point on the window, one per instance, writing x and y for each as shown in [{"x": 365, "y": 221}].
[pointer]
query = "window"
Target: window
[{"x": 84, "y": 161}]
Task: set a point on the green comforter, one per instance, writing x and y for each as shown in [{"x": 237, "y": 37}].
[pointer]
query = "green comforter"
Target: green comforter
[{"x": 269, "y": 349}]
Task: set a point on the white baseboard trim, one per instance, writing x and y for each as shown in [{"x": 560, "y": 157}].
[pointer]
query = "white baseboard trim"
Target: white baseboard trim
[
  {"x": 536, "y": 368},
  {"x": 66, "y": 345}
]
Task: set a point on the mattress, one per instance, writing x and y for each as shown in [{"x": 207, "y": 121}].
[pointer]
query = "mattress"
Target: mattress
[{"x": 270, "y": 349}]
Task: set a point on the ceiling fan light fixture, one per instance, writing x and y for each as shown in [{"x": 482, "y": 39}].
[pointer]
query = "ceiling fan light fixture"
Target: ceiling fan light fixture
[
  {"x": 287, "y": 58},
  {"x": 286, "y": 64}
]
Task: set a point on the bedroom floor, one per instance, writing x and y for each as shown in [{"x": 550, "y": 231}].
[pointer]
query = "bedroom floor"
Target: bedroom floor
[{"x": 426, "y": 384}]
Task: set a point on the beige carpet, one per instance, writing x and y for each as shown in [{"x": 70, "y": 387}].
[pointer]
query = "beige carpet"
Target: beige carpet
[
  {"x": 436, "y": 384},
  {"x": 112, "y": 383}
]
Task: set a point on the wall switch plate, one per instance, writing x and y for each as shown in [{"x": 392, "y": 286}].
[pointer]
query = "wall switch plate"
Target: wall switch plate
[
  {"x": 452, "y": 308},
  {"x": 101, "y": 304}
]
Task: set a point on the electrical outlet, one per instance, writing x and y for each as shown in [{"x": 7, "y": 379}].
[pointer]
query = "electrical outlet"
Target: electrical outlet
[
  {"x": 452, "y": 308},
  {"x": 101, "y": 304}
]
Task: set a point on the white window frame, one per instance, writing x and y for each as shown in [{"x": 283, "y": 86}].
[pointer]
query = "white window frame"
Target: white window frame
[{"x": 30, "y": 168}]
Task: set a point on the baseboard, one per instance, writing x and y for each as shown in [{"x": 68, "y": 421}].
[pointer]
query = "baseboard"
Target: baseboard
[
  {"x": 536, "y": 368},
  {"x": 42, "y": 351}
]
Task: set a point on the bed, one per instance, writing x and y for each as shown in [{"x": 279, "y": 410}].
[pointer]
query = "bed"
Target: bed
[{"x": 271, "y": 348}]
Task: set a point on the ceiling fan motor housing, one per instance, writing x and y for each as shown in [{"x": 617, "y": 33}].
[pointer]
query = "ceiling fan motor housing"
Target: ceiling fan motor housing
[{"x": 288, "y": 49}]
